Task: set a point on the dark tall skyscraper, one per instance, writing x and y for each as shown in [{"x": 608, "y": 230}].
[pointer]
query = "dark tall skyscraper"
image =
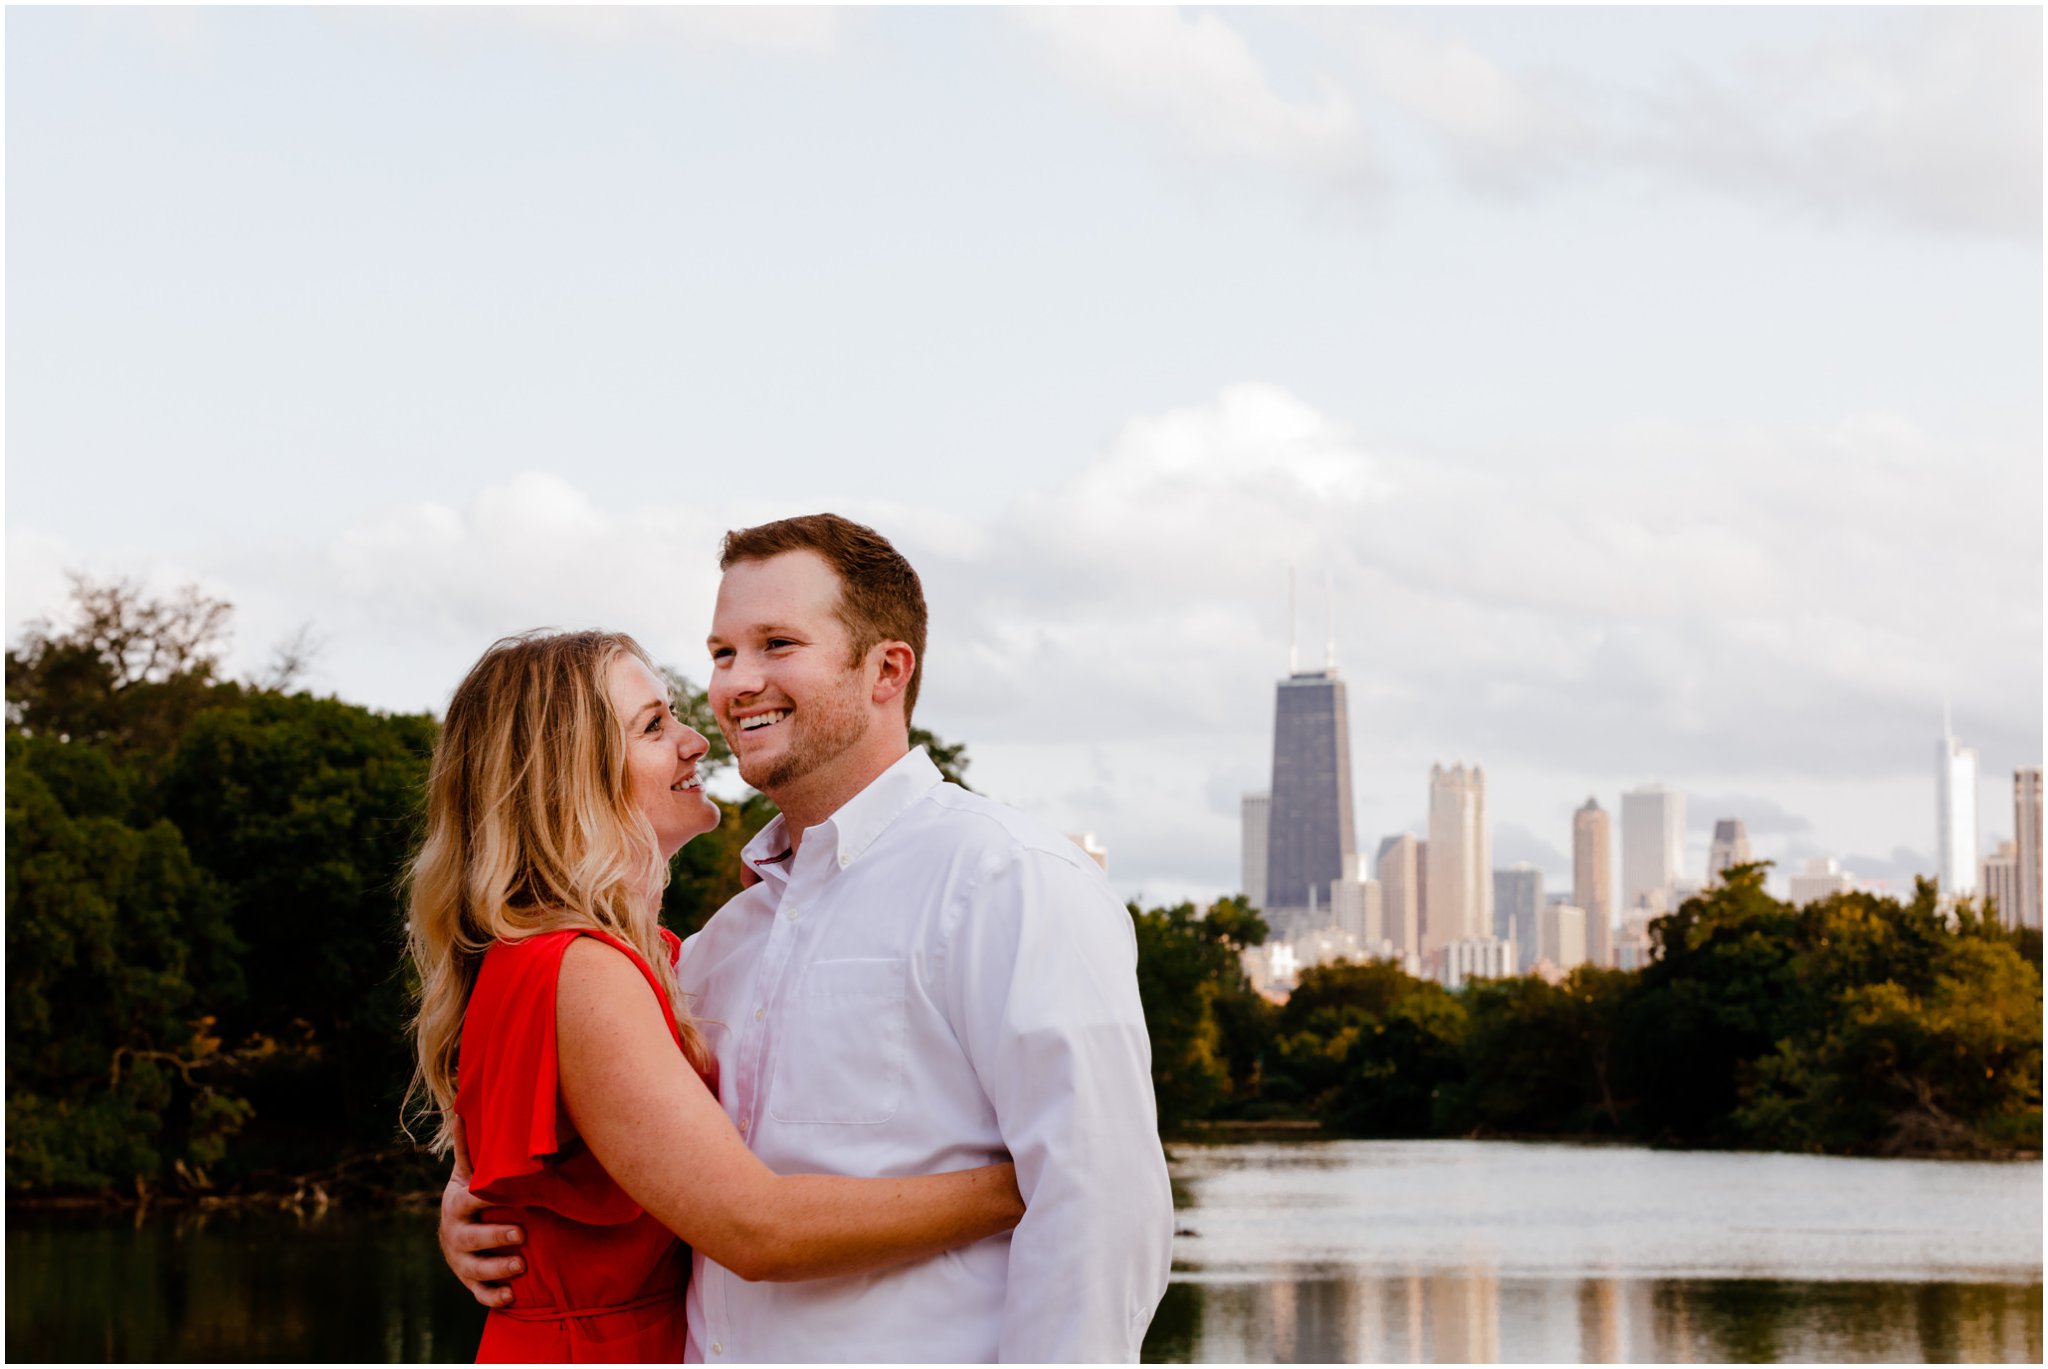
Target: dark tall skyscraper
[{"x": 1309, "y": 833}]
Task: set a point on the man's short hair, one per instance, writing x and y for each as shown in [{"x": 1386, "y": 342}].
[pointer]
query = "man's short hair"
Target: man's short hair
[{"x": 880, "y": 597}]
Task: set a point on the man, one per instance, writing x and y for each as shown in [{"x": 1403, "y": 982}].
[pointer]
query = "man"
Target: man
[{"x": 922, "y": 980}]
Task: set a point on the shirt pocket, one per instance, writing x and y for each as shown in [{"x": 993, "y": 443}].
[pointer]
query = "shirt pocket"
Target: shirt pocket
[{"x": 839, "y": 1057}]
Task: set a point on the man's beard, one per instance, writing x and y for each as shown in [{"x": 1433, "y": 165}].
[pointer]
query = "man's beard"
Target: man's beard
[{"x": 826, "y": 729}]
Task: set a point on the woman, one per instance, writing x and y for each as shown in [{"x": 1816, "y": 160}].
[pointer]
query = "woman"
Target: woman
[{"x": 551, "y": 1032}]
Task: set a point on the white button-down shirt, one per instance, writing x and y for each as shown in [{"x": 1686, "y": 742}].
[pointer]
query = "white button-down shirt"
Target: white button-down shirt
[{"x": 931, "y": 982}]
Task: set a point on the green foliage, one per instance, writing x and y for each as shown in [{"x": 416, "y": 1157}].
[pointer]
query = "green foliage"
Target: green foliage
[
  {"x": 128, "y": 671},
  {"x": 306, "y": 811},
  {"x": 1206, "y": 1025},
  {"x": 1368, "y": 1048},
  {"x": 118, "y": 950},
  {"x": 707, "y": 872},
  {"x": 1921, "y": 1037},
  {"x": 950, "y": 757}
]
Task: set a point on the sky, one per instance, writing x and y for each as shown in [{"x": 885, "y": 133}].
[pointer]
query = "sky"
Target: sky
[{"x": 1636, "y": 395}]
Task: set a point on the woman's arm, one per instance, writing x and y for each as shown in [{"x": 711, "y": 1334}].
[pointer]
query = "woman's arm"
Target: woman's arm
[{"x": 664, "y": 1139}]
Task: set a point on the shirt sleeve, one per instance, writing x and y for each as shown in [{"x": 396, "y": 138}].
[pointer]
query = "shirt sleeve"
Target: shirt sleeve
[
  {"x": 1047, "y": 994},
  {"x": 523, "y": 1151}
]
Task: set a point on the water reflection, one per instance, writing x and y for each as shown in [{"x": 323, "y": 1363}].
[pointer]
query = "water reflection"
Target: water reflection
[
  {"x": 342, "y": 1287},
  {"x": 1353, "y": 1251},
  {"x": 1430, "y": 1252},
  {"x": 1450, "y": 1318}
]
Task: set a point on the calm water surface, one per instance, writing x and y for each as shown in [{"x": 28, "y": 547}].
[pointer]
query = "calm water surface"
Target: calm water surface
[
  {"x": 1461, "y": 1251},
  {"x": 1361, "y": 1251}
]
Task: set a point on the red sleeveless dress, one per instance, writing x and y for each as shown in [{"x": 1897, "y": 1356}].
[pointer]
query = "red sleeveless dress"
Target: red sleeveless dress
[{"x": 604, "y": 1280}]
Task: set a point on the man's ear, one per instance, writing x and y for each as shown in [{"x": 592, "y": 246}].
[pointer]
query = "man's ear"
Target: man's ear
[{"x": 896, "y": 664}]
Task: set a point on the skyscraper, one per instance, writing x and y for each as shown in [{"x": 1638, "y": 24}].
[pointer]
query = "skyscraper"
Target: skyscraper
[
  {"x": 1731, "y": 847},
  {"x": 1401, "y": 893},
  {"x": 1998, "y": 882},
  {"x": 1652, "y": 846},
  {"x": 1460, "y": 858},
  {"x": 2026, "y": 817},
  {"x": 1593, "y": 879},
  {"x": 1561, "y": 936},
  {"x": 1257, "y": 814},
  {"x": 1955, "y": 812},
  {"x": 1517, "y": 898},
  {"x": 1822, "y": 878},
  {"x": 1309, "y": 832}
]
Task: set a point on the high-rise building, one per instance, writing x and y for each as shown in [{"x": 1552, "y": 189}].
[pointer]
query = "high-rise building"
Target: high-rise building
[
  {"x": 1822, "y": 878},
  {"x": 1483, "y": 957},
  {"x": 1257, "y": 814},
  {"x": 1998, "y": 880},
  {"x": 1421, "y": 895},
  {"x": 1593, "y": 879},
  {"x": 1401, "y": 893},
  {"x": 1731, "y": 847},
  {"x": 1356, "y": 909},
  {"x": 1517, "y": 899},
  {"x": 1561, "y": 935},
  {"x": 2026, "y": 817},
  {"x": 1460, "y": 858},
  {"x": 1652, "y": 847},
  {"x": 1309, "y": 830},
  {"x": 1955, "y": 812}
]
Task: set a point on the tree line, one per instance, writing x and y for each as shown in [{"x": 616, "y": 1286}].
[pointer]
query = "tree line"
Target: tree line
[
  {"x": 1858, "y": 1025},
  {"x": 206, "y": 991}
]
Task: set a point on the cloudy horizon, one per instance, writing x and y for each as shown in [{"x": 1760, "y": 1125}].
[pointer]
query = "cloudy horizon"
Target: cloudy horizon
[{"x": 1659, "y": 391}]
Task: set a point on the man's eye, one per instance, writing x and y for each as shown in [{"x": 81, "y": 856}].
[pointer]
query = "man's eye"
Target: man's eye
[
  {"x": 774, "y": 642},
  {"x": 721, "y": 653}
]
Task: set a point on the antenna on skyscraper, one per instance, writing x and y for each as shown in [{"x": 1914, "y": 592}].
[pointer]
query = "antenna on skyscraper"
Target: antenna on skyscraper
[
  {"x": 1293, "y": 656},
  {"x": 1330, "y": 609}
]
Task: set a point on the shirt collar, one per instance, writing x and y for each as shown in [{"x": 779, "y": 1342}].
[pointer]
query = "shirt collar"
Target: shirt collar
[
  {"x": 865, "y": 816},
  {"x": 859, "y": 821}
]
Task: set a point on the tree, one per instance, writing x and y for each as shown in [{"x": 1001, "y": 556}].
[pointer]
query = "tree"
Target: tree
[
  {"x": 119, "y": 953},
  {"x": 950, "y": 757},
  {"x": 128, "y": 671},
  {"x": 1208, "y": 1029},
  {"x": 306, "y": 811}
]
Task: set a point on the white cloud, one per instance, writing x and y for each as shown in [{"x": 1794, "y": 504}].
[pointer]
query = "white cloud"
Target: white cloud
[
  {"x": 1927, "y": 118},
  {"x": 1723, "y": 609},
  {"x": 1196, "y": 76},
  {"x": 1938, "y": 127}
]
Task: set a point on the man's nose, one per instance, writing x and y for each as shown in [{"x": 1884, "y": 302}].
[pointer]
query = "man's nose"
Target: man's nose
[{"x": 740, "y": 676}]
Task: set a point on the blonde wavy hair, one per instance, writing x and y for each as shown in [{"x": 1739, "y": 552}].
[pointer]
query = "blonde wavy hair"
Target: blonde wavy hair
[{"x": 529, "y": 828}]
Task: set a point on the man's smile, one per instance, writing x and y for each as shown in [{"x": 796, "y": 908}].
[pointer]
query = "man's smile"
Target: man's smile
[{"x": 760, "y": 720}]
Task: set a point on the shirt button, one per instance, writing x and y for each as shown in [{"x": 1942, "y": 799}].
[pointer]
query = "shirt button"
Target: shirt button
[
  {"x": 844, "y": 856},
  {"x": 717, "y": 1349},
  {"x": 795, "y": 913},
  {"x": 743, "y": 1124},
  {"x": 759, "y": 1014}
]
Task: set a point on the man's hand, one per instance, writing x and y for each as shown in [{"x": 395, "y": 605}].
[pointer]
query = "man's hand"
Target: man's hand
[{"x": 475, "y": 1250}]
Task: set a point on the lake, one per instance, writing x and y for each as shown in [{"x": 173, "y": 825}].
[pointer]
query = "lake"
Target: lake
[
  {"x": 1293, "y": 1251},
  {"x": 1377, "y": 1251}
]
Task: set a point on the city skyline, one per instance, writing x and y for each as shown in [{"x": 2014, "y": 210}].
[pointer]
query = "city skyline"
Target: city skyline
[{"x": 1651, "y": 394}]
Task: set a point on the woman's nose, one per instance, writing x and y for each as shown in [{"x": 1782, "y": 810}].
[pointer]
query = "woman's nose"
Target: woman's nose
[{"x": 692, "y": 746}]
